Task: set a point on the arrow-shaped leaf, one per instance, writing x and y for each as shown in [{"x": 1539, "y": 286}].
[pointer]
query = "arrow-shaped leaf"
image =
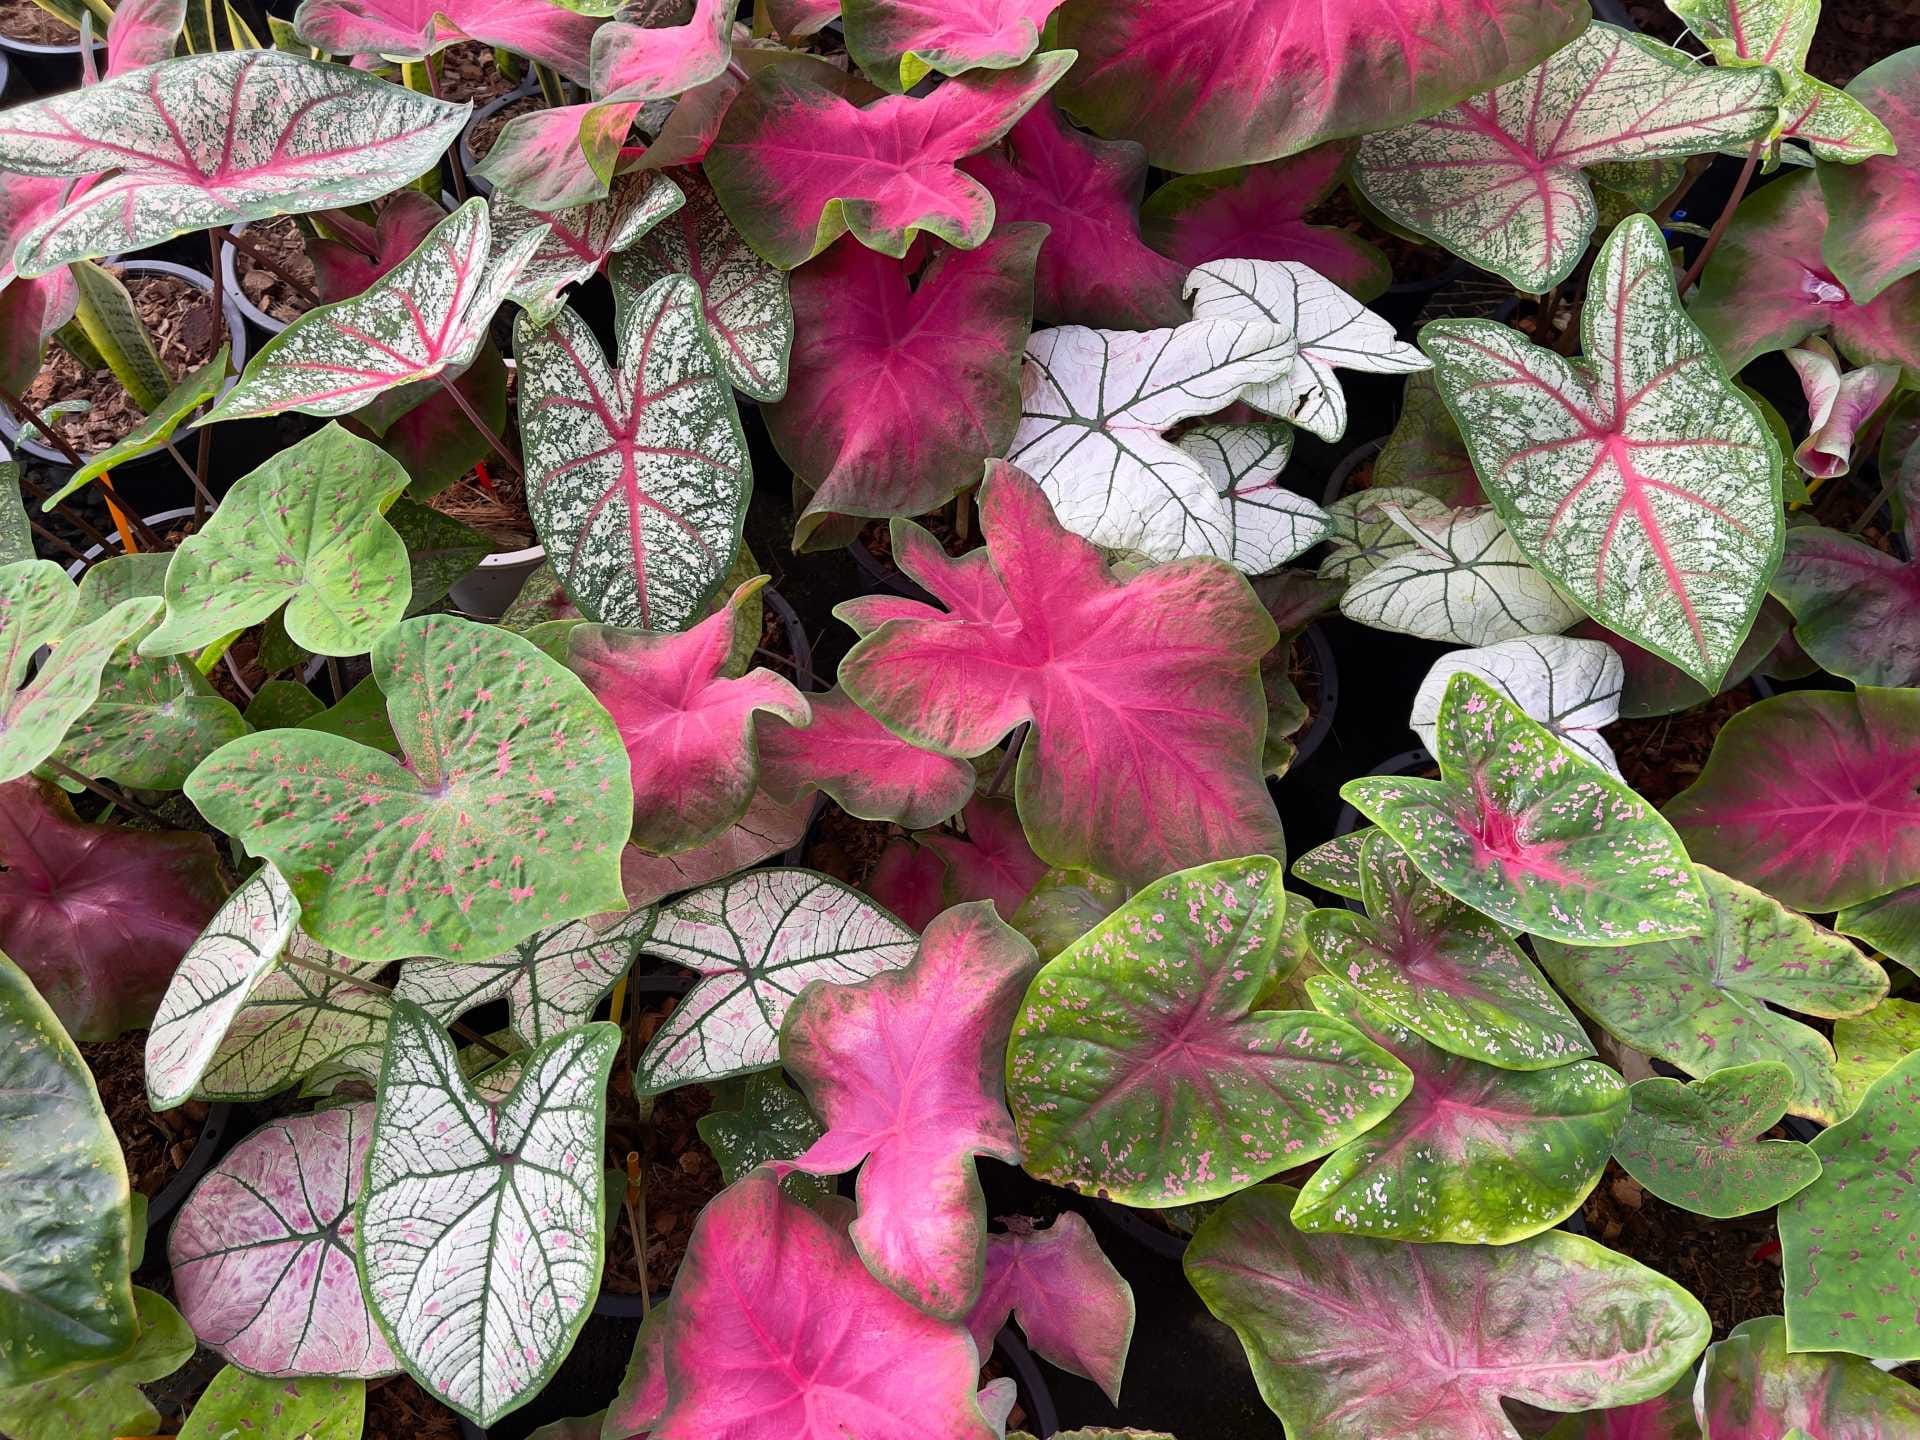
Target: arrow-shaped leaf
[
  {"x": 1696, "y": 1145},
  {"x": 1271, "y": 524},
  {"x": 412, "y": 29}
]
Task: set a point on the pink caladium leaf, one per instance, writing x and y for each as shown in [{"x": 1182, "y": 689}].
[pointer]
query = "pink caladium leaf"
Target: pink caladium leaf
[
  {"x": 769, "y": 827},
  {"x": 937, "y": 359},
  {"x": 560, "y": 156},
  {"x": 1839, "y": 405},
  {"x": 263, "y": 1252},
  {"x": 992, "y": 861},
  {"x": 216, "y": 139},
  {"x": 30, "y": 309},
  {"x": 1430, "y": 1337},
  {"x": 866, "y": 769},
  {"x": 796, "y": 166},
  {"x": 1668, "y": 1417},
  {"x": 765, "y": 1278},
  {"x": 1754, "y": 1387},
  {"x": 1075, "y": 1308},
  {"x": 1872, "y": 241},
  {"x": 1114, "y": 776},
  {"x": 98, "y": 916},
  {"x": 1204, "y": 89},
  {"x": 1856, "y": 608},
  {"x": 580, "y": 240},
  {"x": 898, "y": 43},
  {"x": 651, "y": 62},
  {"x": 905, "y": 1070},
  {"x": 541, "y": 30},
  {"x": 911, "y": 881},
  {"x": 1498, "y": 179},
  {"x": 143, "y": 32},
  {"x": 343, "y": 269}
]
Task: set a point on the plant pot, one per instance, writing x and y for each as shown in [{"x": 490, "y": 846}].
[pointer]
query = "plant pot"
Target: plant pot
[
  {"x": 157, "y": 523},
  {"x": 38, "y": 69},
  {"x": 216, "y": 1135},
  {"x": 1344, "y": 471},
  {"x": 476, "y": 184},
  {"x": 882, "y": 575},
  {"x": 6, "y": 74},
  {"x": 1154, "y": 1239},
  {"x": 1321, "y": 725}
]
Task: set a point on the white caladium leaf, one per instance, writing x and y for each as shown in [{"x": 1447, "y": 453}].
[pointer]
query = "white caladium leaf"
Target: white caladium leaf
[
  {"x": 1271, "y": 524},
  {"x": 481, "y": 1227},
  {"x": 580, "y": 239},
  {"x": 298, "y": 1024},
  {"x": 757, "y": 941},
  {"x": 1497, "y": 179},
  {"x": 637, "y": 480},
  {"x": 1570, "y": 686},
  {"x": 1640, "y": 479},
  {"x": 1094, "y": 406},
  {"x": 425, "y": 317},
  {"x": 1362, "y": 534}
]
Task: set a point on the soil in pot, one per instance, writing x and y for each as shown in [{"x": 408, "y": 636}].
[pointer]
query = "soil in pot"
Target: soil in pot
[
  {"x": 1663, "y": 755},
  {"x": 876, "y": 536},
  {"x": 156, "y": 1145},
  {"x": 496, "y": 507},
  {"x": 398, "y": 1409},
  {"x": 468, "y": 72},
  {"x": 846, "y": 848},
  {"x": 286, "y": 244},
  {"x": 25, "y": 21},
  {"x": 484, "y": 132}
]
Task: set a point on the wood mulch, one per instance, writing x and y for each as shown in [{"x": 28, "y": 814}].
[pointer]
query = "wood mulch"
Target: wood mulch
[
  {"x": 286, "y": 243},
  {"x": 1661, "y": 756},
  {"x": 156, "y": 1145},
  {"x": 398, "y": 1409},
  {"x": 25, "y": 21},
  {"x": 481, "y": 137},
  {"x": 468, "y": 71}
]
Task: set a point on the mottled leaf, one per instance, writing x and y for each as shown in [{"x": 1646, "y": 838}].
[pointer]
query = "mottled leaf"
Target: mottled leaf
[
  {"x": 1696, "y": 1145},
  {"x": 581, "y": 239},
  {"x": 237, "y": 1403},
  {"x": 101, "y": 1400},
  {"x": 1867, "y": 1046},
  {"x": 1753, "y": 1387},
  {"x": 771, "y": 1122},
  {"x": 1871, "y": 243},
  {"x": 768, "y": 827},
  {"x": 1571, "y": 687},
  {"x": 1425, "y": 452}
]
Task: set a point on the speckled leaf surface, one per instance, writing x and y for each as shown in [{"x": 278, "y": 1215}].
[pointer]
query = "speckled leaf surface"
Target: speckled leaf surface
[
  {"x": 279, "y": 1409},
  {"x": 1570, "y": 686},
  {"x": 216, "y": 139},
  {"x": 1271, "y": 524},
  {"x": 1335, "y": 866},
  {"x": 102, "y": 1399},
  {"x": 1867, "y": 1046},
  {"x": 297, "y": 1024},
  {"x": 1430, "y": 1337},
  {"x": 551, "y": 34},
  {"x": 1640, "y": 479},
  {"x": 1753, "y": 1387},
  {"x": 1871, "y": 243},
  {"x": 1706, "y": 1002},
  {"x": 480, "y": 1224},
  {"x": 1532, "y": 834},
  {"x": 899, "y": 42},
  {"x": 1667, "y": 1417},
  {"x": 771, "y": 1122},
  {"x": 580, "y": 239},
  {"x": 870, "y": 772},
  {"x": 1697, "y": 1145},
  {"x": 153, "y": 721},
  {"x": 1139, "y": 1069},
  {"x": 507, "y": 817},
  {"x": 1074, "y": 1307},
  {"x": 263, "y": 1250}
]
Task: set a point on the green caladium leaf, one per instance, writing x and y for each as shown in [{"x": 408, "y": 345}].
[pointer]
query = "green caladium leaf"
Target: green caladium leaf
[
  {"x": 1474, "y": 1155},
  {"x": 16, "y": 534},
  {"x": 194, "y": 389},
  {"x": 282, "y": 704},
  {"x": 1753, "y": 1384},
  {"x": 1334, "y": 865},
  {"x": 771, "y": 1122},
  {"x": 306, "y": 1408},
  {"x": 1640, "y": 479},
  {"x": 305, "y": 531},
  {"x": 1066, "y": 904},
  {"x": 1570, "y": 686},
  {"x": 1140, "y": 1070},
  {"x": 1533, "y": 834},
  {"x": 1866, "y": 1046},
  {"x": 1441, "y": 969},
  {"x": 1705, "y": 1002},
  {"x": 481, "y": 1225},
  {"x": 1695, "y": 1146},
  {"x": 508, "y": 816},
  {"x": 101, "y": 1399},
  {"x": 440, "y": 550}
]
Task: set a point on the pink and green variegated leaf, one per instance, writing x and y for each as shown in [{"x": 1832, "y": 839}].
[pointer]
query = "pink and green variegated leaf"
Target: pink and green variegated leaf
[
  {"x": 1531, "y": 833},
  {"x": 796, "y": 166},
  {"x": 143, "y": 32},
  {"x": 1754, "y": 1387},
  {"x": 580, "y": 240},
  {"x": 558, "y": 157},
  {"x": 756, "y": 942},
  {"x": 1838, "y": 406},
  {"x": 867, "y": 770},
  {"x": 1874, "y": 237},
  {"x": 215, "y": 139},
  {"x": 1140, "y": 1069},
  {"x": 1640, "y": 479},
  {"x": 1697, "y": 1145},
  {"x": 1868, "y": 1046},
  {"x": 1813, "y": 796},
  {"x": 1430, "y": 1337},
  {"x": 687, "y": 726},
  {"x": 1144, "y": 694},
  {"x": 898, "y": 43},
  {"x": 540, "y": 30},
  {"x": 911, "y": 881},
  {"x": 1452, "y": 976},
  {"x": 1856, "y": 608},
  {"x": 769, "y": 827},
  {"x": 342, "y": 269},
  {"x": 1474, "y": 1155},
  {"x": 1498, "y": 179},
  {"x": 651, "y": 62},
  {"x": 263, "y": 1251},
  {"x": 30, "y": 310},
  {"x": 426, "y": 316},
  {"x": 506, "y": 817},
  {"x": 642, "y": 1398},
  {"x": 1075, "y": 1308},
  {"x": 991, "y": 861},
  {"x": 766, "y": 1279},
  {"x": 905, "y": 1070},
  {"x": 637, "y": 479},
  {"x": 1094, "y": 268},
  {"x": 1707, "y": 1002},
  {"x": 1668, "y": 1417},
  {"x": 906, "y": 379}
]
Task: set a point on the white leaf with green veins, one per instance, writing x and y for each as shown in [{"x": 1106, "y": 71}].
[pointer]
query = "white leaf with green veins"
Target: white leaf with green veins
[
  {"x": 1361, "y": 534},
  {"x": 1570, "y": 686},
  {"x": 582, "y": 239},
  {"x": 296, "y": 1021},
  {"x": 1271, "y": 524}
]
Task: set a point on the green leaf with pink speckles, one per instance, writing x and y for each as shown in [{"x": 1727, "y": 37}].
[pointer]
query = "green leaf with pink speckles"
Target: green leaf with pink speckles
[
  {"x": 1525, "y": 829},
  {"x": 507, "y": 816},
  {"x": 1140, "y": 1069},
  {"x": 1695, "y": 1145},
  {"x": 1867, "y": 1046}
]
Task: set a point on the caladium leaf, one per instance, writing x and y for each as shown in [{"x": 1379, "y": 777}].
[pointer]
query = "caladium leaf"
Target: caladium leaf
[
  {"x": 278, "y": 1409},
  {"x": 1856, "y": 608},
  {"x": 1430, "y": 1337},
  {"x": 298, "y": 1024},
  {"x": 263, "y": 1250},
  {"x": 796, "y": 166},
  {"x": 413, "y": 29},
  {"x": 1039, "y": 619},
  {"x": 1838, "y": 406},
  {"x": 1336, "y": 865},
  {"x": 143, "y": 32},
  {"x": 480, "y": 1224},
  {"x": 580, "y": 240},
  {"x": 1425, "y": 451},
  {"x": 651, "y": 61},
  {"x": 1889, "y": 923},
  {"x": 1870, "y": 243},
  {"x": 772, "y": 1122},
  {"x": 768, "y": 827},
  {"x": 423, "y": 318},
  {"x": 1669, "y": 1417},
  {"x": 869, "y": 772},
  {"x": 938, "y": 367},
  {"x": 31, "y": 310},
  {"x": 1474, "y": 1155},
  {"x": 898, "y": 43},
  {"x": 1498, "y": 179},
  {"x": 1753, "y": 1387},
  {"x": 507, "y": 816},
  {"x": 1572, "y": 687},
  {"x": 1704, "y": 1002},
  {"x": 1140, "y": 1070},
  {"x": 1868, "y": 1046},
  {"x": 216, "y": 139},
  {"x": 992, "y": 861},
  {"x": 1375, "y": 525},
  {"x": 1641, "y": 480},
  {"x": 1697, "y": 1145},
  {"x": 1271, "y": 524},
  {"x": 637, "y": 480},
  {"x": 102, "y": 1399},
  {"x": 1812, "y": 797},
  {"x": 911, "y": 881},
  {"x": 905, "y": 1069},
  {"x": 1529, "y": 832},
  {"x": 1075, "y": 1308}
]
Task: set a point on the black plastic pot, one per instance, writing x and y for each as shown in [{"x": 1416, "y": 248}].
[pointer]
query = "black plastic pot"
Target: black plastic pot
[
  {"x": 882, "y": 575},
  {"x": 216, "y": 1135},
  {"x": 475, "y": 183},
  {"x": 1321, "y": 725},
  {"x": 6, "y": 74},
  {"x": 41, "y": 70}
]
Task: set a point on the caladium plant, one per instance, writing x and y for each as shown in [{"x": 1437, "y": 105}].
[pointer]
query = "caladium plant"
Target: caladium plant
[
  {"x": 1695, "y": 1145},
  {"x": 1570, "y": 686},
  {"x": 1754, "y": 1384}
]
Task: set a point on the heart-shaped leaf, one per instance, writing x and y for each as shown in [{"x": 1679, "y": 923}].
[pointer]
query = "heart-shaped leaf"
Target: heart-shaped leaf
[
  {"x": 312, "y": 1409},
  {"x": 1041, "y": 613},
  {"x": 1867, "y": 1046},
  {"x": 102, "y": 1400},
  {"x": 549, "y": 33},
  {"x": 1474, "y": 1155},
  {"x": 1141, "y": 1071},
  {"x": 580, "y": 240},
  {"x": 480, "y": 1225},
  {"x": 1075, "y": 1308},
  {"x": 866, "y": 769},
  {"x": 1704, "y": 1002},
  {"x": 768, "y": 827},
  {"x": 298, "y": 1024},
  {"x": 215, "y": 139},
  {"x": 1870, "y": 244},
  {"x": 1753, "y": 1385},
  {"x": 991, "y": 861},
  {"x": 1499, "y": 178},
  {"x": 1271, "y": 524},
  {"x": 263, "y": 1250},
  {"x": 637, "y": 481},
  {"x": 1856, "y": 608},
  {"x": 1640, "y": 479},
  {"x": 898, "y": 43},
  {"x": 1533, "y": 834},
  {"x": 1696, "y": 1145},
  {"x": 1572, "y": 687},
  {"x": 507, "y": 816}
]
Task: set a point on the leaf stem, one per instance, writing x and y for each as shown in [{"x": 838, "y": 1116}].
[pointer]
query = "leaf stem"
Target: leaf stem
[
  {"x": 74, "y": 517},
  {"x": 26, "y": 414},
  {"x": 1726, "y": 217},
  {"x": 453, "y": 151},
  {"x": 636, "y": 1206},
  {"x": 109, "y": 793},
  {"x": 233, "y": 669},
  {"x": 486, "y": 430}
]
